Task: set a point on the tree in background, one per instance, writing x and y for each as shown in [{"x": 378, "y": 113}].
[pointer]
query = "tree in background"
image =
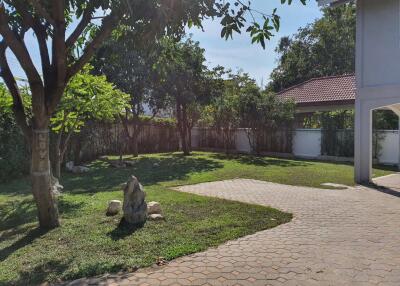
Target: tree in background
[
  {"x": 183, "y": 80},
  {"x": 66, "y": 46},
  {"x": 324, "y": 48},
  {"x": 128, "y": 64},
  {"x": 261, "y": 112},
  {"x": 87, "y": 97}
]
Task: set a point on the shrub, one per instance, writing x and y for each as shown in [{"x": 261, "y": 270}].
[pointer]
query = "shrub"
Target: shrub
[{"x": 14, "y": 155}]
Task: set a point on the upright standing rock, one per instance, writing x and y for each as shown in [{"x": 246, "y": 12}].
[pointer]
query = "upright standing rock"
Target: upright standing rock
[{"x": 134, "y": 207}]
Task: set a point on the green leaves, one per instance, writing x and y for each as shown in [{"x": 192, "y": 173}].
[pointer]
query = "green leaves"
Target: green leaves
[
  {"x": 233, "y": 20},
  {"x": 87, "y": 97}
]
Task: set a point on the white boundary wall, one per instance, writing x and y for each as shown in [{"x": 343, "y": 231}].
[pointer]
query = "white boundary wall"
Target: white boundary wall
[
  {"x": 390, "y": 148},
  {"x": 307, "y": 144}
]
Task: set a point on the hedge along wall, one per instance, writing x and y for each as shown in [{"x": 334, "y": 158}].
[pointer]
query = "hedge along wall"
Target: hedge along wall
[
  {"x": 95, "y": 140},
  {"x": 99, "y": 139},
  {"x": 306, "y": 143},
  {"x": 14, "y": 153}
]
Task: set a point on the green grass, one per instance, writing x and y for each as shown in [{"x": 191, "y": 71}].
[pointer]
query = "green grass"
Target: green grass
[{"x": 89, "y": 243}]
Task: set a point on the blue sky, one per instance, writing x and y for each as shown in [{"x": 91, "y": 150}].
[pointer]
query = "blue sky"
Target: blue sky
[{"x": 238, "y": 53}]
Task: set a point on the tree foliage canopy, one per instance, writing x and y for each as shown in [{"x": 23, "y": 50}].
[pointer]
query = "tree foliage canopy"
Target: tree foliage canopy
[
  {"x": 323, "y": 48},
  {"x": 87, "y": 97}
]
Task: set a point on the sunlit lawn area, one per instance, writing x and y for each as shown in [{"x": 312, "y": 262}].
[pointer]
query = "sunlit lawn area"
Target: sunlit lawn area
[{"x": 91, "y": 243}]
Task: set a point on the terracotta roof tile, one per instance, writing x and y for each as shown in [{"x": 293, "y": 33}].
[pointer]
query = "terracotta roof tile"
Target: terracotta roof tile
[{"x": 323, "y": 90}]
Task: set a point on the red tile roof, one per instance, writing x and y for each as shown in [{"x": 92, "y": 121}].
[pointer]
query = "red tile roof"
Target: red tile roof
[{"x": 324, "y": 90}]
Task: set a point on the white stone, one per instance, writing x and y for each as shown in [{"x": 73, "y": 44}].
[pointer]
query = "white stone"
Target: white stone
[
  {"x": 154, "y": 208},
  {"x": 80, "y": 169},
  {"x": 69, "y": 166},
  {"x": 56, "y": 187},
  {"x": 114, "y": 207},
  {"x": 156, "y": 217}
]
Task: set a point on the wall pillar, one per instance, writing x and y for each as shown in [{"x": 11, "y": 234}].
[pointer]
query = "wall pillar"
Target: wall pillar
[{"x": 363, "y": 142}]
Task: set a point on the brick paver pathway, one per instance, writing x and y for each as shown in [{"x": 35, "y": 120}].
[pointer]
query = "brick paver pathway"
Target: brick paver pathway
[{"x": 337, "y": 237}]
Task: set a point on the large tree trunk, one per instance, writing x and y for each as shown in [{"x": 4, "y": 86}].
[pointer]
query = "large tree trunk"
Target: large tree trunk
[
  {"x": 135, "y": 136},
  {"x": 185, "y": 135},
  {"x": 182, "y": 127},
  {"x": 135, "y": 151},
  {"x": 41, "y": 180}
]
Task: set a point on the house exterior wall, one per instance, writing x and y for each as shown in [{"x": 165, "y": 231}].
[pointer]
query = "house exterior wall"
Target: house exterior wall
[
  {"x": 379, "y": 43},
  {"x": 377, "y": 73}
]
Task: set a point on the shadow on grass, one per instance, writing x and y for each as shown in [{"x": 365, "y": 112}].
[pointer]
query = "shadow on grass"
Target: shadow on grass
[
  {"x": 149, "y": 171},
  {"x": 16, "y": 187},
  {"x": 40, "y": 273},
  {"x": 20, "y": 212},
  {"x": 260, "y": 160},
  {"x": 123, "y": 230},
  {"x": 22, "y": 242}
]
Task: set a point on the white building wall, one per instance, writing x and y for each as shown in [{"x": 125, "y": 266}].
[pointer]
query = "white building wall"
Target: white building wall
[
  {"x": 379, "y": 46},
  {"x": 307, "y": 144}
]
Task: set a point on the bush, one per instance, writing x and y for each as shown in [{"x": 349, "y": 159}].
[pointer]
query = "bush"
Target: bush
[{"x": 14, "y": 155}]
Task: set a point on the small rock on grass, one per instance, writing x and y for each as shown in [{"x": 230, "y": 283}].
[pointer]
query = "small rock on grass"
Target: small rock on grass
[
  {"x": 156, "y": 217},
  {"x": 114, "y": 207},
  {"x": 153, "y": 208}
]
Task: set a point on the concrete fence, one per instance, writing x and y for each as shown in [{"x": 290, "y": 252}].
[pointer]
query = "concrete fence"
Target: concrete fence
[{"x": 306, "y": 143}]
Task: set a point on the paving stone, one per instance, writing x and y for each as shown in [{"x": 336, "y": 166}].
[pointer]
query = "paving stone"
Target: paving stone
[{"x": 337, "y": 237}]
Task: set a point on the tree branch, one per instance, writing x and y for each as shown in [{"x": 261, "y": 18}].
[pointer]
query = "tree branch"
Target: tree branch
[
  {"x": 18, "y": 47},
  {"x": 86, "y": 18},
  {"x": 59, "y": 51},
  {"x": 106, "y": 29},
  {"x": 40, "y": 31},
  {"x": 18, "y": 105},
  {"x": 41, "y": 11}
]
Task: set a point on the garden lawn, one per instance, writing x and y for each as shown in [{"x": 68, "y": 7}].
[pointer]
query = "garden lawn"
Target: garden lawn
[{"x": 90, "y": 243}]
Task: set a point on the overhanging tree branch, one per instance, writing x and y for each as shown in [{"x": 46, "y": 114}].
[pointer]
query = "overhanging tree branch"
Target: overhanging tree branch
[
  {"x": 105, "y": 31},
  {"x": 59, "y": 61},
  {"x": 41, "y": 11},
  {"x": 40, "y": 31},
  {"x": 18, "y": 105},
  {"x": 18, "y": 47},
  {"x": 86, "y": 18}
]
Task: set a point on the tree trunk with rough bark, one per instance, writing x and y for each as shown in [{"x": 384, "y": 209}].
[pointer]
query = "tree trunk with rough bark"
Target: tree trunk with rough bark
[
  {"x": 135, "y": 135},
  {"x": 182, "y": 129},
  {"x": 46, "y": 201},
  {"x": 135, "y": 151}
]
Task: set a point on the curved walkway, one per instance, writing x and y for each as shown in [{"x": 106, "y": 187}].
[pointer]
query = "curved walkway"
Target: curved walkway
[{"x": 337, "y": 237}]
